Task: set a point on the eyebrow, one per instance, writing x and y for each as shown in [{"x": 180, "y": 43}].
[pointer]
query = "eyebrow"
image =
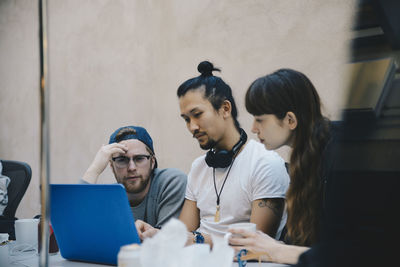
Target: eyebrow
[
  {"x": 134, "y": 155},
  {"x": 190, "y": 112}
]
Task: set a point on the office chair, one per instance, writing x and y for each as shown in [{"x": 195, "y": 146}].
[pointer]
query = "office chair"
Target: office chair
[{"x": 20, "y": 174}]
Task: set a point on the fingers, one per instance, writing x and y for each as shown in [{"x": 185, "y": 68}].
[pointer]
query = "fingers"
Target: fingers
[
  {"x": 114, "y": 148},
  {"x": 242, "y": 232},
  {"x": 145, "y": 230},
  {"x": 105, "y": 153},
  {"x": 241, "y": 237},
  {"x": 149, "y": 233},
  {"x": 140, "y": 236},
  {"x": 239, "y": 241},
  {"x": 139, "y": 229},
  {"x": 140, "y": 226}
]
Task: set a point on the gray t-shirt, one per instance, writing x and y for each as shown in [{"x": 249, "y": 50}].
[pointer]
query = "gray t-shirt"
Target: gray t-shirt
[{"x": 164, "y": 199}]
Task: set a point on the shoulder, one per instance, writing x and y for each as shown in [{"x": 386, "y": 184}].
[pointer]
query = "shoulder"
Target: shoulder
[
  {"x": 168, "y": 176},
  {"x": 168, "y": 182},
  {"x": 198, "y": 166},
  {"x": 199, "y": 161},
  {"x": 266, "y": 166},
  {"x": 258, "y": 154}
]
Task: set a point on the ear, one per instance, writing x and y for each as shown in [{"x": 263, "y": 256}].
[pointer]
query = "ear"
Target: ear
[
  {"x": 153, "y": 162},
  {"x": 226, "y": 109},
  {"x": 291, "y": 120}
]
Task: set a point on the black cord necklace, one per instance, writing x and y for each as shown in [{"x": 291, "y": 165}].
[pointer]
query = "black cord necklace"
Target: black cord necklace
[{"x": 217, "y": 216}]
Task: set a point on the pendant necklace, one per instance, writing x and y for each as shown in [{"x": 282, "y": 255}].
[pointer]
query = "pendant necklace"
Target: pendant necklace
[{"x": 217, "y": 215}]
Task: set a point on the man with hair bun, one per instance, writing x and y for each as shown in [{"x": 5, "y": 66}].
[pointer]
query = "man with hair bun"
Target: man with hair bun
[
  {"x": 155, "y": 195},
  {"x": 237, "y": 180}
]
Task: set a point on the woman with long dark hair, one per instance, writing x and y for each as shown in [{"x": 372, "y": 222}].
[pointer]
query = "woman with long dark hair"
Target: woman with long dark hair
[{"x": 287, "y": 111}]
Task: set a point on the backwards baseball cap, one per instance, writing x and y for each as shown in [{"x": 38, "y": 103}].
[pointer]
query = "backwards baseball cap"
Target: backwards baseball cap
[{"x": 138, "y": 133}]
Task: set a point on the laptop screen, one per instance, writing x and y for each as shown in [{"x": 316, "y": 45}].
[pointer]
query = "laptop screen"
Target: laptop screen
[{"x": 91, "y": 222}]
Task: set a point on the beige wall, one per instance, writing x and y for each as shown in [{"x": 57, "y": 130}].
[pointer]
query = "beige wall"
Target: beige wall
[{"x": 119, "y": 62}]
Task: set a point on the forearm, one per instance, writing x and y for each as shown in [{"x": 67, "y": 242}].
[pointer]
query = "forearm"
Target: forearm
[
  {"x": 286, "y": 254},
  {"x": 91, "y": 175},
  {"x": 102, "y": 158},
  {"x": 190, "y": 215}
]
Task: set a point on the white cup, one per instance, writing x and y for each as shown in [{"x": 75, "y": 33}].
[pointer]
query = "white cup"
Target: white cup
[
  {"x": 4, "y": 259},
  {"x": 245, "y": 226},
  {"x": 26, "y": 232}
]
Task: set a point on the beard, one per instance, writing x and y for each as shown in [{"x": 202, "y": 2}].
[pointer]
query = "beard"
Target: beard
[
  {"x": 137, "y": 185},
  {"x": 210, "y": 144}
]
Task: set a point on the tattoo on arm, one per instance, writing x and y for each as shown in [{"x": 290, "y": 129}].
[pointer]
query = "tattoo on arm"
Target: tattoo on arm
[{"x": 275, "y": 204}]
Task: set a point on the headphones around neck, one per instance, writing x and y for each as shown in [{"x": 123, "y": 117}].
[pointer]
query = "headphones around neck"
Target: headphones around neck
[{"x": 223, "y": 158}]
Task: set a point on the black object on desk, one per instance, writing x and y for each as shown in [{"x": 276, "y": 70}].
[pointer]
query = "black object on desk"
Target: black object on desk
[{"x": 20, "y": 174}]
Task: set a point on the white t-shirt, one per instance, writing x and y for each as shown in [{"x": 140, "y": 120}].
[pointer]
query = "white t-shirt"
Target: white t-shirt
[{"x": 256, "y": 173}]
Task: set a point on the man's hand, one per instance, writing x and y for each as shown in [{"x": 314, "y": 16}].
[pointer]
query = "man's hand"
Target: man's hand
[
  {"x": 101, "y": 160},
  {"x": 145, "y": 230}
]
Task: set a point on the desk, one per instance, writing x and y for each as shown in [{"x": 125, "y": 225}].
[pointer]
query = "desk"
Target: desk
[{"x": 58, "y": 261}]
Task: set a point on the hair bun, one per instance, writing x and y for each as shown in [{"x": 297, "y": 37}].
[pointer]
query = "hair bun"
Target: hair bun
[{"x": 206, "y": 68}]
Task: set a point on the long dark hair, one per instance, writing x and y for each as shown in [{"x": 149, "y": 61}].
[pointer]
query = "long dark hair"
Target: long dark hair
[
  {"x": 278, "y": 93},
  {"x": 216, "y": 90}
]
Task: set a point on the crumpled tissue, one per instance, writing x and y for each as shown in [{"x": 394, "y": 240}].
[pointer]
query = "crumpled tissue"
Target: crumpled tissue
[{"x": 167, "y": 249}]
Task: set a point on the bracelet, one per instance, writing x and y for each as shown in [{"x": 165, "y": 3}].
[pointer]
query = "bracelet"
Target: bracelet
[{"x": 198, "y": 237}]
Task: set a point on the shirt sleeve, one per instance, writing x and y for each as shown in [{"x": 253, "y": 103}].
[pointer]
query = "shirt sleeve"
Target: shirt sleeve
[
  {"x": 172, "y": 196},
  {"x": 270, "y": 178}
]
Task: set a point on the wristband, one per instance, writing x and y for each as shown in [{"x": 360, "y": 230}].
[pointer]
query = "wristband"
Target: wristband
[{"x": 198, "y": 237}]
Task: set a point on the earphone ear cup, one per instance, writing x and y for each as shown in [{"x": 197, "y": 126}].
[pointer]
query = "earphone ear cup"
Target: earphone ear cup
[
  {"x": 220, "y": 159},
  {"x": 210, "y": 159},
  {"x": 223, "y": 158}
]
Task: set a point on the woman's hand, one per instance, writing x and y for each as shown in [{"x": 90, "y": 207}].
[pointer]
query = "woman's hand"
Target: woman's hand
[{"x": 256, "y": 242}]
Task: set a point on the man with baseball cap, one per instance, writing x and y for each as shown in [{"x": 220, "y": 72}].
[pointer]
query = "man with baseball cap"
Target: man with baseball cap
[{"x": 155, "y": 195}]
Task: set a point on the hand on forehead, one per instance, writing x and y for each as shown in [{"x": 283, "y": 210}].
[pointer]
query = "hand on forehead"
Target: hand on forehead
[{"x": 133, "y": 147}]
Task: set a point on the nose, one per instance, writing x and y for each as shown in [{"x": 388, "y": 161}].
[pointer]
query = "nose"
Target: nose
[
  {"x": 193, "y": 126},
  {"x": 131, "y": 165},
  {"x": 254, "y": 128}
]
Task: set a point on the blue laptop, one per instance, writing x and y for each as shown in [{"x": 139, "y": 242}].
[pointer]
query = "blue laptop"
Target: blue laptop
[{"x": 91, "y": 222}]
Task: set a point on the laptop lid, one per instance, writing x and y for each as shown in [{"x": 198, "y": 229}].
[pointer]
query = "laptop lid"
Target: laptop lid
[{"x": 91, "y": 222}]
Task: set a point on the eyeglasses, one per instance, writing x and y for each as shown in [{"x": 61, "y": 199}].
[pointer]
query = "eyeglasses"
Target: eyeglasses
[{"x": 123, "y": 162}]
